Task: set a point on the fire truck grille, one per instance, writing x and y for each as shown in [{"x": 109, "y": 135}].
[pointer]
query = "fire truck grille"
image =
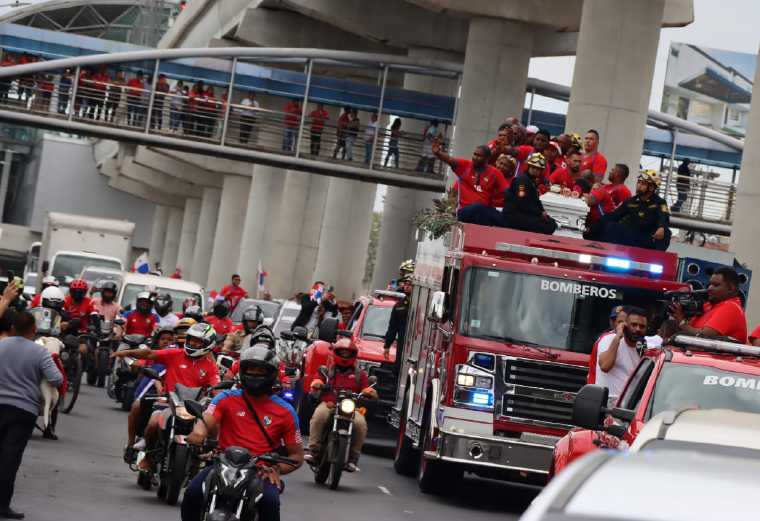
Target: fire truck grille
[
  {"x": 541, "y": 392},
  {"x": 386, "y": 381}
]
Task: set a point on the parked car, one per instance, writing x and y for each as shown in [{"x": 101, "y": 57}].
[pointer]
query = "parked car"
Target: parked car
[
  {"x": 287, "y": 315},
  {"x": 270, "y": 308},
  {"x": 178, "y": 289}
]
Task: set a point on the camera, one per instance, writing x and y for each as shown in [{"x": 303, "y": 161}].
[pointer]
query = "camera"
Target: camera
[{"x": 691, "y": 301}]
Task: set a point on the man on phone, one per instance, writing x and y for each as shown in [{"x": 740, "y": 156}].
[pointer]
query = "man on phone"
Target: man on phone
[{"x": 619, "y": 354}]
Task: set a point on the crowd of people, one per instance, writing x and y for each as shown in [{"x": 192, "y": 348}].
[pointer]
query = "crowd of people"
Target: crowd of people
[{"x": 502, "y": 183}]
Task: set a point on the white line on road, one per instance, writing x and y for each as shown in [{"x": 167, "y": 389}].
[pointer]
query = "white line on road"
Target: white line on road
[{"x": 384, "y": 490}]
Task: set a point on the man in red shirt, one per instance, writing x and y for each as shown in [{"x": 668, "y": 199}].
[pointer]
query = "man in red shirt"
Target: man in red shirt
[
  {"x": 292, "y": 119},
  {"x": 722, "y": 314},
  {"x": 141, "y": 321},
  {"x": 502, "y": 144},
  {"x": 593, "y": 160},
  {"x": 219, "y": 320},
  {"x": 343, "y": 375},
  {"x": 78, "y": 306},
  {"x": 599, "y": 201},
  {"x": 135, "y": 88},
  {"x": 252, "y": 418},
  {"x": 317, "y": 117},
  {"x": 616, "y": 187},
  {"x": 233, "y": 293},
  {"x": 568, "y": 177}
]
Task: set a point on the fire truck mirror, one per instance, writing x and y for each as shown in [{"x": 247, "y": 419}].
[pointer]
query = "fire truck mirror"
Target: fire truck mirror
[
  {"x": 438, "y": 307},
  {"x": 590, "y": 407}
]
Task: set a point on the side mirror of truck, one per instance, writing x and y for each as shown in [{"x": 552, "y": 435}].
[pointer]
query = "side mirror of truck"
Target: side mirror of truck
[
  {"x": 45, "y": 266},
  {"x": 438, "y": 307},
  {"x": 590, "y": 407}
]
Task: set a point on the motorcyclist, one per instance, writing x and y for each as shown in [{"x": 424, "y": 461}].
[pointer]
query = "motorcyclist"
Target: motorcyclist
[
  {"x": 78, "y": 306},
  {"x": 343, "y": 375},
  {"x": 233, "y": 415},
  {"x": 194, "y": 311},
  {"x": 163, "y": 306},
  {"x": 180, "y": 331},
  {"x": 219, "y": 318},
  {"x": 47, "y": 282},
  {"x": 191, "y": 366},
  {"x": 252, "y": 319},
  {"x": 52, "y": 297},
  {"x": 141, "y": 321},
  {"x": 106, "y": 304}
]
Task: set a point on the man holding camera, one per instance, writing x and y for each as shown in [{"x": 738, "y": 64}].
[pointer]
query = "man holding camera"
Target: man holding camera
[
  {"x": 620, "y": 353},
  {"x": 722, "y": 315}
]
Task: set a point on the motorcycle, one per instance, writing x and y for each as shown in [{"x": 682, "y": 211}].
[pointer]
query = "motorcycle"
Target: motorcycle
[
  {"x": 99, "y": 340},
  {"x": 291, "y": 348},
  {"x": 234, "y": 488},
  {"x": 122, "y": 379}
]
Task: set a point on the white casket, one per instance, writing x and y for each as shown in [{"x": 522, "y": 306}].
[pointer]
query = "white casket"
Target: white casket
[{"x": 569, "y": 212}]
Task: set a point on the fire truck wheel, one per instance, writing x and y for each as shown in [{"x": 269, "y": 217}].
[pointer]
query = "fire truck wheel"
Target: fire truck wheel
[
  {"x": 434, "y": 476},
  {"x": 405, "y": 458}
]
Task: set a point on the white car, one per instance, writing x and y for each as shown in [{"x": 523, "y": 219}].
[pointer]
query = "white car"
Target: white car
[
  {"x": 178, "y": 289},
  {"x": 288, "y": 313}
]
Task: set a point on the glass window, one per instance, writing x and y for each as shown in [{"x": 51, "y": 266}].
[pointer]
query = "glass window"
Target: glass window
[
  {"x": 636, "y": 385},
  {"x": 376, "y": 321},
  {"x": 287, "y": 317},
  {"x": 681, "y": 385},
  {"x": 72, "y": 265},
  {"x": 178, "y": 297},
  {"x": 268, "y": 308},
  {"x": 544, "y": 311}
]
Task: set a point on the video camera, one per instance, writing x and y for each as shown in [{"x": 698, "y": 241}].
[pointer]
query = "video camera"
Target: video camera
[{"x": 691, "y": 301}]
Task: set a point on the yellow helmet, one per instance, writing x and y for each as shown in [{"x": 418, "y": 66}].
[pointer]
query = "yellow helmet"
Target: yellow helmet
[
  {"x": 650, "y": 176},
  {"x": 576, "y": 140},
  {"x": 536, "y": 159},
  {"x": 180, "y": 330}
]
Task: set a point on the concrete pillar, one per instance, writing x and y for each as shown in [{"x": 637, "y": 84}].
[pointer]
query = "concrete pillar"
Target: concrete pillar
[
  {"x": 171, "y": 241},
  {"x": 226, "y": 250},
  {"x": 204, "y": 241},
  {"x": 262, "y": 206},
  {"x": 311, "y": 240},
  {"x": 612, "y": 80},
  {"x": 344, "y": 236},
  {"x": 158, "y": 234},
  {"x": 397, "y": 233},
  {"x": 744, "y": 234},
  {"x": 189, "y": 233},
  {"x": 495, "y": 76}
]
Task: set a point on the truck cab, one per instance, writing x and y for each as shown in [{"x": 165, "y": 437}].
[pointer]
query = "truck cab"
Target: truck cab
[
  {"x": 500, "y": 328},
  {"x": 690, "y": 372}
]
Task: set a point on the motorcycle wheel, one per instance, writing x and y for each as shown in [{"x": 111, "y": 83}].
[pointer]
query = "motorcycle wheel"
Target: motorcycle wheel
[
  {"x": 127, "y": 397},
  {"x": 110, "y": 388},
  {"x": 322, "y": 469},
  {"x": 178, "y": 462},
  {"x": 74, "y": 376},
  {"x": 144, "y": 480},
  {"x": 103, "y": 362},
  {"x": 161, "y": 490},
  {"x": 338, "y": 460},
  {"x": 92, "y": 375}
]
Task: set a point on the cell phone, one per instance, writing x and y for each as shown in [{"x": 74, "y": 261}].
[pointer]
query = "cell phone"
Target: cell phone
[{"x": 18, "y": 281}]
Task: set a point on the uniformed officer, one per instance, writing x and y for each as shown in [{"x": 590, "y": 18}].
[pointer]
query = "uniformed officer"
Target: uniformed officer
[
  {"x": 397, "y": 322},
  {"x": 642, "y": 220},
  {"x": 522, "y": 207}
]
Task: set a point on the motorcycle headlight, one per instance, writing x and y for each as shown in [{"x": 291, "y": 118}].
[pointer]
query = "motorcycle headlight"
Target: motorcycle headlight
[
  {"x": 347, "y": 407},
  {"x": 232, "y": 476}
]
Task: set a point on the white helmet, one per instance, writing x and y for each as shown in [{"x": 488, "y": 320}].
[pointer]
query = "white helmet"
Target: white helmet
[
  {"x": 52, "y": 297},
  {"x": 49, "y": 281},
  {"x": 205, "y": 334}
]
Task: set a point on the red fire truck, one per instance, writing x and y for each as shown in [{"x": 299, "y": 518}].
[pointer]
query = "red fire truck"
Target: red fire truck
[{"x": 500, "y": 327}]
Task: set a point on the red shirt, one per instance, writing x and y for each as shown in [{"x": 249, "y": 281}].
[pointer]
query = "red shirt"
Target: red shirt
[
  {"x": 619, "y": 193},
  {"x": 222, "y": 326},
  {"x": 136, "y": 87},
  {"x": 603, "y": 206},
  {"x": 238, "y": 427},
  {"x": 81, "y": 310},
  {"x": 725, "y": 317},
  {"x": 140, "y": 324},
  {"x": 486, "y": 187},
  {"x": 341, "y": 381},
  {"x": 233, "y": 294},
  {"x": 595, "y": 162},
  {"x": 318, "y": 118},
  {"x": 37, "y": 300},
  {"x": 562, "y": 177},
  {"x": 293, "y": 111},
  {"x": 191, "y": 372}
]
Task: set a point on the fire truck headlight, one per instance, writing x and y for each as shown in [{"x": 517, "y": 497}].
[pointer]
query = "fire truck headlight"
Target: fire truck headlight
[{"x": 466, "y": 380}]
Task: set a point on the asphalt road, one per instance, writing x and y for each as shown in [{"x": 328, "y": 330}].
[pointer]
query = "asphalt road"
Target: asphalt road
[{"x": 81, "y": 477}]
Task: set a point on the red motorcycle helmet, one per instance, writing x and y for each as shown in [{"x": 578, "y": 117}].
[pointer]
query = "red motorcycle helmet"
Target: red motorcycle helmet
[
  {"x": 78, "y": 288},
  {"x": 345, "y": 355}
]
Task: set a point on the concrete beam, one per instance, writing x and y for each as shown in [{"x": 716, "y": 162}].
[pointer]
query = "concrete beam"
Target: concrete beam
[
  {"x": 158, "y": 180},
  {"x": 143, "y": 191},
  {"x": 158, "y": 159},
  {"x": 549, "y": 43},
  {"x": 212, "y": 164},
  {"x": 203, "y": 20},
  {"x": 158, "y": 234}
]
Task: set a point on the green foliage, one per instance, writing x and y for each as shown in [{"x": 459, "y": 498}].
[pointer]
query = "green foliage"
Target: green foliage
[
  {"x": 439, "y": 219},
  {"x": 374, "y": 240}
]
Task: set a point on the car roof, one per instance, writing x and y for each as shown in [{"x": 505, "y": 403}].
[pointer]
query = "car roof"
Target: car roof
[
  {"x": 714, "y": 426},
  {"x": 162, "y": 282},
  {"x": 662, "y": 485}
]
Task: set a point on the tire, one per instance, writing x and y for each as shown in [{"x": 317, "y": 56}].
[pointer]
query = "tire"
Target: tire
[
  {"x": 405, "y": 458},
  {"x": 74, "y": 375},
  {"x": 434, "y": 477},
  {"x": 338, "y": 460},
  {"x": 103, "y": 362},
  {"x": 178, "y": 462},
  {"x": 161, "y": 489},
  {"x": 305, "y": 410},
  {"x": 323, "y": 467},
  {"x": 128, "y": 396},
  {"x": 92, "y": 376},
  {"x": 144, "y": 480}
]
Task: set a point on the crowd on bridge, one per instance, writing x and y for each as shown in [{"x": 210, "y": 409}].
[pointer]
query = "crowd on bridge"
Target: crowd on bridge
[{"x": 502, "y": 183}]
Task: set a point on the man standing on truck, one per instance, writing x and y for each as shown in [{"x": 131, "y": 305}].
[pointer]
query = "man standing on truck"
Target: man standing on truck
[
  {"x": 397, "y": 322},
  {"x": 522, "y": 206},
  {"x": 722, "y": 314},
  {"x": 619, "y": 354},
  {"x": 234, "y": 292}
]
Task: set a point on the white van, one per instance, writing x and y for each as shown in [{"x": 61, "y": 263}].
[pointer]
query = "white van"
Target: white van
[{"x": 178, "y": 289}]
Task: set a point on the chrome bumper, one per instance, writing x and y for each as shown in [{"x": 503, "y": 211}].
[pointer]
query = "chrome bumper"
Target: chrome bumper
[{"x": 532, "y": 453}]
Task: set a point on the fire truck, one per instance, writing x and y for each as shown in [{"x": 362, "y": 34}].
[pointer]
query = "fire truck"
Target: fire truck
[{"x": 500, "y": 327}]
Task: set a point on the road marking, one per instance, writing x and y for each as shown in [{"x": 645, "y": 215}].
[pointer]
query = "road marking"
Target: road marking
[{"x": 384, "y": 490}]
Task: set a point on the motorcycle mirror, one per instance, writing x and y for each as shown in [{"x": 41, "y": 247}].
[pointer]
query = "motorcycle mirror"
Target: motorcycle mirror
[
  {"x": 226, "y": 361},
  {"x": 194, "y": 408},
  {"x": 287, "y": 335},
  {"x": 151, "y": 373},
  {"x": 291, "y": 371}
]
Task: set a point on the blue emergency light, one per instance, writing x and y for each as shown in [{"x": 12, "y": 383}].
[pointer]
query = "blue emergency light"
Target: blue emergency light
[
  {"x": 482, "y": 399},
  {"x": 617, "y": 263}
]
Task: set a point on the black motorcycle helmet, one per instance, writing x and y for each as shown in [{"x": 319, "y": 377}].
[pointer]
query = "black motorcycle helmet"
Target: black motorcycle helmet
[
  {"x": 221, "y": 309},
  {"x": 252, "y": 318},
  {"x": 163, "y": 304},
  {"x": 195, "y": 313},
  {"x": 108, "y": 290},
  {"x": 263, "y": 335},
  {"x": 259, "y": 368}
]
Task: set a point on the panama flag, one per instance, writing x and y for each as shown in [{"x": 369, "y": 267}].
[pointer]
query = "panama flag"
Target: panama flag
[
  {"x": 262, "y": 277},
  {"x": 141, "y": 265}
]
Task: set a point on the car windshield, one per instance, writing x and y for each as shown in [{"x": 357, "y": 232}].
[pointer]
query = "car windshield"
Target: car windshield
[
  {"x": 93, "y": 275},
  {"x": 72, "y": 265},
  {"x": 178, "y": 297},
  {"x": 287, "y": 317},
  {"x": 269, "y": 309},
  {"x": 376, "y": 321},
  {"x": 545, "y": 311},
  {"x": 682, "y": 385}
]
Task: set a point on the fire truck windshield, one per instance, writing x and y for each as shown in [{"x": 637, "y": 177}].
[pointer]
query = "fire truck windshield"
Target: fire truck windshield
[
  {"x": 681, "y": 385},
  {"x": 544, "y": 311},
  {"x": 376, "y": 321}
]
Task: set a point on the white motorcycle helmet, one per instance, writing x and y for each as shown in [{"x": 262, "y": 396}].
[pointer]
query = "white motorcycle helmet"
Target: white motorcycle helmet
[
  {"x": 52, "y": 297},
  {"x": 199, "y": 340},
  {"x": 49, "y": 281}
]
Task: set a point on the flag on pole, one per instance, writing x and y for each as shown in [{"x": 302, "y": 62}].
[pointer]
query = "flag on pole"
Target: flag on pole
[
  {"x": 261, "y": 278},
  {"x": 141, "y": 265}
]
